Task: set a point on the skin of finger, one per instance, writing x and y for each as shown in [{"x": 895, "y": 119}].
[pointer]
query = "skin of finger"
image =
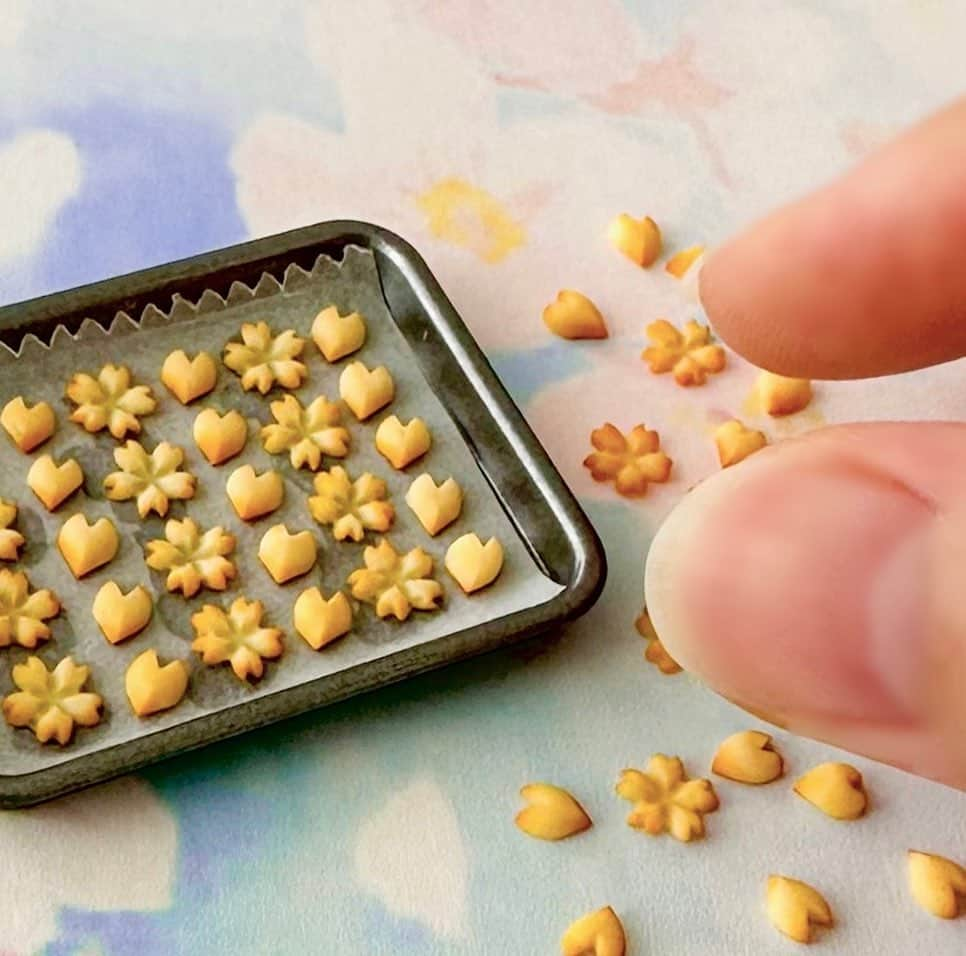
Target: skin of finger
[
  {"x": 763, "y": 590},
  {"x": 863, "y": 278}
]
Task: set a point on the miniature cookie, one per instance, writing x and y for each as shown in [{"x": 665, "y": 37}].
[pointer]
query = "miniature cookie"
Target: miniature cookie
[
  {"x": 253, "y": 495},
  {"x": 10, "y": 541},
  {"x": 735, "y": 442},
  {"x": 109, "y": 401},
  {"x": 193, "y": 560},
  {"x": 551, "y": 813},
  {"x": 638, "y": 239},
  {"x": 436, "y": 506},
  {"x": 748, "y": 757},
  {"x": 938, "y": 885},
  {"x": 681, "y": 261},
  {"x": 23, "y": 612},
  {"x": 573, "y": 316},
  {"x": 351, "y": 507},
  {"x": 394, "y": 583},
  {"x": 655, "y": 653},
  {"x": 188, "y": 379},
  {"x": 262, "y": 359},
  {"x": 220, "y": 437},
  {"x": 151, "y": 687},
  {"x": 689, "y": 355},
  {"x": 473, "y": 564},
  {"x": 306, "y": 433},
  {"x": 795, "y": 907},
  {"x": 285, "y": 555},
  {"x": 782, "y": 396},
  {"x": 632, "y": 462},
  {"x": 320, "y": 620},
  {"x": 51, "y": 702},
  {"x": 836, "y": 789},
  {"x": 666, "y": 800},
  {"x": 27, "y": 426},
  {"x": 236, "y": 637},
  {"x": 338, "y": 335},
  {"x": 154, "y": 480},
  {"x": 86, "y": 547},
  {"x": 402, "y": 444},
  {"x": 596, "y": 934},
  {"x": 120, "y": 615},
  {"x": 53, "y": 484},
  {"x": 366, "y": 392}
]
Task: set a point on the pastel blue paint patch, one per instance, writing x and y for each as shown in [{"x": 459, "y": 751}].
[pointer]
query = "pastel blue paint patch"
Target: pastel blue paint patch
[
  {"x": 525, "y": 373},
  {"x": 521, "y": 105}
]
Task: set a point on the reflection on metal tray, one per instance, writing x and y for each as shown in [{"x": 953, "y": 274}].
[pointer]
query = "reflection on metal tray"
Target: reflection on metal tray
[{"x": 555, "y": 565}]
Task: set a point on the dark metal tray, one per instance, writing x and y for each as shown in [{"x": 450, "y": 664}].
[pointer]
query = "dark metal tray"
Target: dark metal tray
[{"x": 547, "y": 517}]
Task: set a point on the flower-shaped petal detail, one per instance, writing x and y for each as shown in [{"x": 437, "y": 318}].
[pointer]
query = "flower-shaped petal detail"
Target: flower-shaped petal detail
[
  {"x": 655, "y": 652},
  {"x": 666, "y": 800},
  {"x": 10, "y": 541},
  {"x": 306, "y": 433},
  {"x": 51, "y": 702},
  {"x": 109, "y": 401},
  {"x": 690, "y": 354},
  {"x": 153, "y": 479},
  {"x": 262, "y": 359},
  {"x": 351, "y": 507},
  {"x": 192, "y": 559},
  {"x": 236, "y": 637},
  {"x": 23, "y": 612},
  {"x": 394, "y": 583},
  {"x": 632, "y": 462}
]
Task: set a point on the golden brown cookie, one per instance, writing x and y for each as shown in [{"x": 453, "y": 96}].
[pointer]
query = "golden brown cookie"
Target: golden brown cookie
[
  {"x": 220, "y": 437},
  {"x": 109, "y": 401},
  {"x": 150, "y": 687},
  {"x": 338, "y": 335},
  {"x": 632, "y": 462},
  {"x": 28, "y": 426},
  {"x": 192, "y": 559},
  {"x": 53, "y": 484},
  {"x": 285, "y": 555},
  {"x": 306, "y": 433},
  {"x": 472, "y": 564},
  {"x": 436, "y": 506},
  {"x": 320, "y": 620},
  {"x": 253, "y": 495},
  {"x": 938, "y": 885},
  {"x": 351, "y": 507},
  {"x": 402, "y": 444},
  {"x": 735, "y": 442},
  {"x": 551, "y": 813},
  {"x": 23, "y": 612},
  {"x": 690, "y": 355},
  {"x": 782, "y": 396},
  {"x": 188, "y": 379},
  {"x": 152, "y": 479},
  {"x": 262, "y": 359},
  {"x": 10, "y": 541},
  {"x": 795, "y": 907},
  {"x": 638, "y": 239},
  {"x": 655, "y": 653},
  {"x": 836, "y": 789},
  {"x": 748, "y": 757},
  {"x": 395, "y": 584},
  {"x": 120, "y": 615},
  {"x": 573, "y": 316},
  {"x": 366, "y": 392},
  {"x": 87, "y": 547},
  {"x": 682, "y": 261},
  {"x": 596, "y": 934},
  {"x": 236, "y": 637}
]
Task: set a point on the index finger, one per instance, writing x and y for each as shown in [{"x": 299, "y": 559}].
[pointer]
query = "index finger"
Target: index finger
[{"x": 865, "y": 277}]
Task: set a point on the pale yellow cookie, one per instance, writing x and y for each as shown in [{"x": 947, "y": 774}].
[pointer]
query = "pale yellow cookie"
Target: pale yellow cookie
[
  {"x": 109, "y": 401},
  {"x": 666, "y": 800},
  {"x": 795, "y": 907},
  {"x": 285, "y": 555},
  {"x": 573, "y": 316},
  {"x": 220, "y": 437},
  {"x": 306, "y": 433},
  {"x": 938, "y": 885},
  {"x": 150, "y": 687},
  {"x": 748, "y": 757},
  {"x": 395, "y": 583},
  {"x": 188, "y": 379},
  {"x": 236, "y": 637},
  {"x": 366, "y": 392},
  {"x": 120, "y": 615},
  {"x": 436, "y": 506},
  {"x": 596, "y": 934},
  {"x": 154, "y": 479},
  {"x": 23, "y": 612},
  {"x": 735, "y": 442},
  {"x": 836, "y": 789},
  {"x": 320, "y": 620},
  {"x": 473, "y": 564},
  {"x": 193, "y": 560},
  {"x": 53, "y": 484},
  {"x": 638, "y": 239},
  {"x": 27, "y": 426},
  {"x": 51, "y": 702},
  {"x": 689, "y": 355},
  {"x": 253, "y": 495},
  {"x": 10, "y": 541},
  {"x": 262, "y": 359},
  {"x": 402, "y": 444},
  {"x": 782, "y": 396},
  {"x": 86, "y": 547},
  {"x": 351, "y": 507},
  {"x": 338, "y": 335},
  {"x": 681, "y": 261},
  {"x": 551, "y": 813}
]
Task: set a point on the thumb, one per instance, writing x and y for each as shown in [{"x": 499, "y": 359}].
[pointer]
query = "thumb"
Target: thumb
[{"x": 821, "y": 583}]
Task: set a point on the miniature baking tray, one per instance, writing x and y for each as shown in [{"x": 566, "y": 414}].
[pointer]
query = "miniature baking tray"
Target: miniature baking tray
[{"x": 548, "y": 521}]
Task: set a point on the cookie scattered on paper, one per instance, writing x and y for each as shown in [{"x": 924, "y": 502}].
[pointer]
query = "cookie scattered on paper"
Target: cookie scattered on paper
[
  {"x": 109, "y": 401},
  {"x": 152, "y": 688},
  {"x": 262, "y": 359},
  {"x": 192, "y": 558},
  {"x": 306, "y": 433},
  {"x": 938, "y": 885},
  {"x": 53, "y": 484},
  {"x": 286, "y": 555},
  {"x": 689, "y": 355},
  {"x": 748, "y": 757},
  {"x": 153, "y": 480},
  {"x": 631, "y": 461},
  {"x": 351, "y": 508},
  {"x": 638, "y": 239},
  {"x": 596, "y": 934},
  {"x": 837, "y": 789},
  {"x": 23, "y": 612},
  {"x": 396, "y": 583},
  {"x": 86, "y": 547},
  {"x": 220, "y": 437},
  {"x": 236, "y": 637},
  {"x": 320, "y": 620},
  {"x": 365, "y": 391},
  {"x": 436, "y": 506},
  {"x": 120, "y": 615},
  {"x": 338, "y": 335},
  {"x": 794, "y": 908},
  {"x": 188, "y": 379},
  {"x": 402, "y": 444},
  {"x": 551, "y": 813},
  {"x": 28, "y": 426},
  {"x": 573, "y": 316},
  {"x": 254, "y": 495}
]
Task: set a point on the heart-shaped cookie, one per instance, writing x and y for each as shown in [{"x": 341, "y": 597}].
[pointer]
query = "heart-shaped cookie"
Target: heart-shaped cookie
[
  {"x": 285, "y": 555},
  {"x": 937, "y": 884},
  {"x": 551, "y": 813},
  {"x": 321, "y": 620},
  {"x": 220, "y": 437},
  {"x": 53, "y": 484},
  {"x": 795, "y": 907},
  {"x": 253, "y": 495},
  {"x": 86, "y": 547},
  {"x": 573, "y": 316},
  {"x": 120, "y": 615},
  {"x": 436, "y": 506},
  {"x": 473, "y": 564},
  {"x": 836, "y": 789},
  {"x": 188, "y": 379},
  {"x": 402, "y": 444},
  {"x": 748, "y": 757},
  {"x": 735, "y": 442},
  {"x": 366, "y": 392},
  {"x": 596, "y": 934},
  {"x": 151, "y": 687},
  {"x": 338, "y": 335},
  {"x": 638, "y": 239},
  {"x": 27, "y": 426}
]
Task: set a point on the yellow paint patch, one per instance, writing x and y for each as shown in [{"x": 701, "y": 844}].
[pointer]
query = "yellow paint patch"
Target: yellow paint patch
[{"x": 466, "y": 216}]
